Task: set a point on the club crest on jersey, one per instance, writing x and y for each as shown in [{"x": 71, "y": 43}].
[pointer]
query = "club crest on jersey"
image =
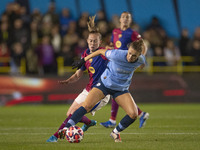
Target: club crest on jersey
[
  {"x": 92, "y": 70},
  {"x": 118, "y": 44}
]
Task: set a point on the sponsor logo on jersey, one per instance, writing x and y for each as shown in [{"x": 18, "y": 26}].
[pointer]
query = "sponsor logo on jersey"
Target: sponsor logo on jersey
[
  {"x": 120, "y": 35},
  {"x": 92, "y": 70},
  {"x": 123, "y": 71}
]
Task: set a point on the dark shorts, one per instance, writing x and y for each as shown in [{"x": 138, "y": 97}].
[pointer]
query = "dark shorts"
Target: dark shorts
[{"x": 107, "y": 91}]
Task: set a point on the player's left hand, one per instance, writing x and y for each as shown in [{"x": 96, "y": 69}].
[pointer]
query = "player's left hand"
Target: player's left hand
[{"x": 78, "y": 64}]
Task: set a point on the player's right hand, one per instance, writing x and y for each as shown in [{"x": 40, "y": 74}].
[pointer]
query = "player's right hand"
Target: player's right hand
[{"x": 78, "y": 64}]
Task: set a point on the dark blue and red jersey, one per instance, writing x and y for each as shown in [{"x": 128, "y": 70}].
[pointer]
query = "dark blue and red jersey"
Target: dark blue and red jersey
[
  {"x": 121, "y": 38},
  {"x": 95, "y": 67}
]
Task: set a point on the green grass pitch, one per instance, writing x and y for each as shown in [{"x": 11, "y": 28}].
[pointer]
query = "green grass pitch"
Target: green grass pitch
[{"x": 170, "y": 127}]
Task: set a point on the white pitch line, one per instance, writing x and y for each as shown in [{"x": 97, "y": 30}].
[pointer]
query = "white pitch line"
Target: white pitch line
[
  {"x": 189, "y": 133},
  {"x": 55, "y": 128}
]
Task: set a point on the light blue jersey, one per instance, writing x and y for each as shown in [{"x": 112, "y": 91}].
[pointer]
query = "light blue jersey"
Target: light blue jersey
[{"x": 119, "y": 71}]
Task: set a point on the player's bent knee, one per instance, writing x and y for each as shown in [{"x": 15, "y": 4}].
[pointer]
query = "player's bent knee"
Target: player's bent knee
[
  {"x": 133, "y": 114},
  {"x": 69, "y": 113},
  {"x": 87, "y": 107}
]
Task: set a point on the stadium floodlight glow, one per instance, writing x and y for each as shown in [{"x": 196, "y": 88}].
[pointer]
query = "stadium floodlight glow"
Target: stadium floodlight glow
[{"x": 29, "y": 82}]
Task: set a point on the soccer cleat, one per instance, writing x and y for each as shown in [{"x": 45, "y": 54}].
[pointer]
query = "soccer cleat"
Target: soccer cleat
[
  {"x": 116, "y": 136},
  {"x": 52, "y": 139},
  {"x": 143, "y": 119},
  {"x": 108, "y": 124},
  {"x": 85, "y": 127},
  {"x": 62, "y": 133}
]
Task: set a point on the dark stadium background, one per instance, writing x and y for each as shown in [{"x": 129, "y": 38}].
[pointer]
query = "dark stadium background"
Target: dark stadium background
[{"x": 164, "y": 86}]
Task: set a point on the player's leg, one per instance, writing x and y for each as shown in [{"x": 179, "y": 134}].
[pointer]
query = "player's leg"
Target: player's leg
[
  {"x": 111, "y": 123},
  {"x": 55, "y": 136},
  {"x": 75, "y": 105},
  {"x": 128, "y": 104},
  {"x": 87, "y": 122},
  {"x": 98, "y": 106},
  {"x": 94, "y": 96}
]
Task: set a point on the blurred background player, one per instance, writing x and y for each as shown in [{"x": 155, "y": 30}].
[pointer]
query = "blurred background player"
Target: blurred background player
[
  {"x": 121, "y": 37},
  {"x": 115, "y": 81},
  {"x": 95, "y": 68}
]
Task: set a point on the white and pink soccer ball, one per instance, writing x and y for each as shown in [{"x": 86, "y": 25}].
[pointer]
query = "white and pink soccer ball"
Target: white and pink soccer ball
[{"x": 74, "y": 134}]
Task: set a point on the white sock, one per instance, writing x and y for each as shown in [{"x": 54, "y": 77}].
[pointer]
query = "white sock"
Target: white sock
[
  {"x": 65, "y": 128},
  {"x": 115, "y": 131},
  {"x": 112, "y": 121}
]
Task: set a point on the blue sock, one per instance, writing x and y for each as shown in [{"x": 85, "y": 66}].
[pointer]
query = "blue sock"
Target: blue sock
[
  {"x": 124, "y": 123},
  {"x": 76, "y": 117}
]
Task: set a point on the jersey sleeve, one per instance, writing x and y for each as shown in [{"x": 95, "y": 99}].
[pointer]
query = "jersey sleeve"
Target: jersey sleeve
[
  {"x": 142, "y": 59},
  {"x": 135, "y": 36},
  {"x": 113, "y": 55},
  {"x": 108, "y": 54}
]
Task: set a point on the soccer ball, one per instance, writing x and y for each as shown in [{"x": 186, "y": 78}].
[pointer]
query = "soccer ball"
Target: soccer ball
[{"x": 74, "y": 134}]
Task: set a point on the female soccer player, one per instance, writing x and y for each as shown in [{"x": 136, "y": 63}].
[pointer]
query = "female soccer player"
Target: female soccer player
[
  {"x": 115, "y": 81},
  {"x": 95, "y": 67},
  {"x": 120, "y": 39}
]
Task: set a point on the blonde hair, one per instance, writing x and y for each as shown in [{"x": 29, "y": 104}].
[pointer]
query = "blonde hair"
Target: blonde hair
[{"x": 92, "y": 28}]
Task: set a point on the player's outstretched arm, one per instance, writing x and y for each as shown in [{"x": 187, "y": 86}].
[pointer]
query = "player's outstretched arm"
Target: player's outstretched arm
[
  {"x": 96, "y": 53},
  {"x": 75, "y": 77},
  {"x": 78, "y": 64}
]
